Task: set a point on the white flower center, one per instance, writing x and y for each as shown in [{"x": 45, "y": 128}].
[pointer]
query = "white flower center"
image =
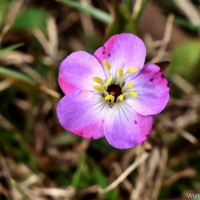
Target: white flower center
[{"x": 115, "y": 88}]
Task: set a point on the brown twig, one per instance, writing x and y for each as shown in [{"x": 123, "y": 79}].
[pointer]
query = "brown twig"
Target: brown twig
[
  {"x": 189, "y": 10},
  {"x": 121, "y": 178},
  {"x": 165, "y": 40}
]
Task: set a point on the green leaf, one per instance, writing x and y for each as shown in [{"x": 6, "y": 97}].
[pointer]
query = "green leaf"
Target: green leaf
[
  {"x": 99, "y": 177},
  {"x": 123, "y": 21},
  {"x": 31, "y": 18},
  {"x": 187, "y": 24},
  {"x": 10, "y": 48},
  {"x": 129, "y": 4},
  {"x": 9, "y": 73},
  {"x": 186, "y": 58},
  {"x": 64, "y": 139},
  {"x": 3, "y": 8},
  {"x": 144, "y": 3},
  {"x": 90, "y": 10},
  {"x": 77, "y": 175}
]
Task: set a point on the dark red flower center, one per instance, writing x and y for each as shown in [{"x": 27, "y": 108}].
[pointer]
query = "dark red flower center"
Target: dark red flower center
[{"x": 114, "y": 90}]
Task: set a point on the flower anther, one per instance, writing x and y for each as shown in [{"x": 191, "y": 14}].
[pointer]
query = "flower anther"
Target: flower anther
[{"x": 117, "y": 88}]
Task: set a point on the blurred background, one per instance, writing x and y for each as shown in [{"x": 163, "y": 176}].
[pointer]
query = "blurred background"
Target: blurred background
[{"x": 38, "y": 159}]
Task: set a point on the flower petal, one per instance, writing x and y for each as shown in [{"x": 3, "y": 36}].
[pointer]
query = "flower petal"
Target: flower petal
[
  {"x": 77, "y": 70},
  {"x": 82, "y": 113},
  {"x": 123, "y": 51},
  {"x": 152, "y": 89},
  {"x": 126, "y": 128}
]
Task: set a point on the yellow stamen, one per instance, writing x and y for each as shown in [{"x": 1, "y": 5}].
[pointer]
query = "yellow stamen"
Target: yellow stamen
[
  {"x": 121, "y": 97},
  {"x": 130, "y": 85},
  {"x": 109, "y": 97},
  {"x": 134, "y": 94},
  {"x": 112, "y": 93},
  {"x": 120, "y": 72},
  {"x": 98, "y": 80},
  {"x": 99, "y": 88},
  {"x": 108, "y": 81},
  {"x": 131, "y": 70},
  {"x": 107, "y": 65}
]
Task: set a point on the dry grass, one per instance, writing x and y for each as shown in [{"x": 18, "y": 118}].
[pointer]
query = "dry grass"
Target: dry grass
[{"x": 140, "y": 173}]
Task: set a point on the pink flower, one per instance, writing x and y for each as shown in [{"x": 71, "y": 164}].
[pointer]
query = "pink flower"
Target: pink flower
[{"x": 112, "y": 93}]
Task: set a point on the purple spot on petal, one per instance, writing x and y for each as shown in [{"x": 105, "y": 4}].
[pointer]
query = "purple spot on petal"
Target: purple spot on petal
[
  {"x": 103, "y": 52},
  {"x": 135, "y": 121},
  {"x": 151, "y": 80},
  {"x": 109, "y": 55},
  {"x": 92, "y": 138},
  {"x": 143, "y": 141}
]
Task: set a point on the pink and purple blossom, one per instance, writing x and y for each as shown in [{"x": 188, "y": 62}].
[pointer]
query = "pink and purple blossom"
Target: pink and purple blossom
[{"x": 112, "y": 93}]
